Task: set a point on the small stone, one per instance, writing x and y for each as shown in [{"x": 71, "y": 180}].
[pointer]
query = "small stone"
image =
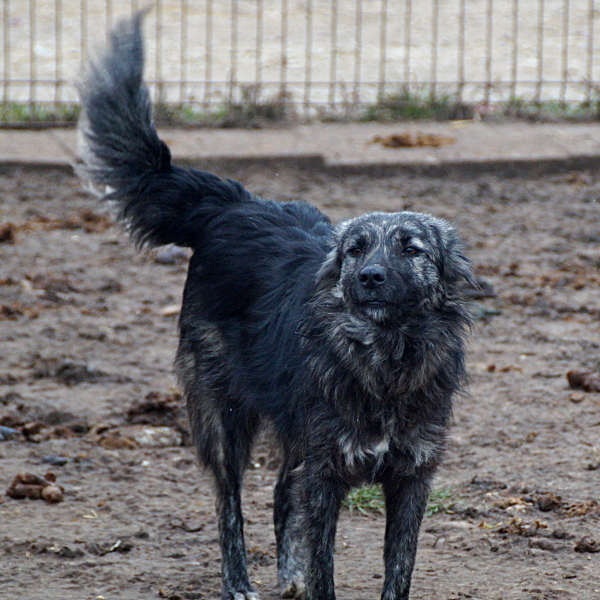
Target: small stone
[
  {"x": 53, "y": 494},
  {"x": 121, "y": 546},
  {"x": 55, "y": 461},
  {"x": 152, "y": 437},
  {"x": 8, "y": 433},
  {"x": 548, "y": 502},
  {"x": 584, "y": 380},
  {"x": 142, "y": 535},
  {"x": 587, "y": 544},
  {"x": 66, "y": 552},
  {"x": 94, "y": 549},
  {"x": 35, "y": 487},
  {"x": 114, "y": 441},
  {"x": 171, "y": 310},
  {"x": 560, "y": 534},
  {"x": 8, "y": 233},
  {"x": 542, "y": 544}
]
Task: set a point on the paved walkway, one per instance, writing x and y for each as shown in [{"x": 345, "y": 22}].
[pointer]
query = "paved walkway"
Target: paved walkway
[{"x": 476, "y": 145}]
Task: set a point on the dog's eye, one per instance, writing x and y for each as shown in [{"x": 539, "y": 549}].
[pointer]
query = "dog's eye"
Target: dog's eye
[
  {"x": 411, "y": 251},
  {"x": 355, "y": 251}
]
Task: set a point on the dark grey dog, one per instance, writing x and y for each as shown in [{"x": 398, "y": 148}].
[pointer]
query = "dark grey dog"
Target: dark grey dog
[{"x": 348, "y": 339}]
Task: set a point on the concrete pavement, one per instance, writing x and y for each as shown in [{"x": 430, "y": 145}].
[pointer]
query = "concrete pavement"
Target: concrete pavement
[{"x": 474, "y": 146}]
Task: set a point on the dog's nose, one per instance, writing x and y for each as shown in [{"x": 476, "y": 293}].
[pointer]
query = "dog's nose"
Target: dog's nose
[{"x": 372, "y": 276}]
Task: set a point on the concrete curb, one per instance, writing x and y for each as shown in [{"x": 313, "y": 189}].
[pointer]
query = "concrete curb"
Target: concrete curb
[{"x": 506, "y": 149}]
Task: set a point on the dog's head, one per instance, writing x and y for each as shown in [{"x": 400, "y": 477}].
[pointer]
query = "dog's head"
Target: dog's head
[{"x": 386, "y": 267}]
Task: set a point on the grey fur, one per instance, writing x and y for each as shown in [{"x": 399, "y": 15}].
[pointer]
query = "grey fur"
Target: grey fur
[{"x": 349, "y": 339}]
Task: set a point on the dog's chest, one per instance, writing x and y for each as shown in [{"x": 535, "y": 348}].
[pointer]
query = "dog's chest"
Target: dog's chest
[
  {"x": 416, "y": 445},
  {"x": 356, "y": 451}
]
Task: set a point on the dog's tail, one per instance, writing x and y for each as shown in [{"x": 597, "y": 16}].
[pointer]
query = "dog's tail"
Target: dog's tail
[{"x": 120, "y": 149}]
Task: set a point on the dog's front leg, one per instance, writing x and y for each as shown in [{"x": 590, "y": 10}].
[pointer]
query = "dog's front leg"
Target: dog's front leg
[
  {"x": 324, "y": 492},
  {"x": 406, "y": 500}
]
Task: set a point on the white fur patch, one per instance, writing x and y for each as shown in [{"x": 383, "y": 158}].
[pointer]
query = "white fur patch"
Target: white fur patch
[
  {"x": 356, "y": 453},
  {"x": 422, "y": 445}
]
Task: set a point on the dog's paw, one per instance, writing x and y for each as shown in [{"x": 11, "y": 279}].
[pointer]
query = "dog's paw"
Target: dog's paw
[
  {"x": 294, "y": 588},
  {"x": 245, "y": 595}
]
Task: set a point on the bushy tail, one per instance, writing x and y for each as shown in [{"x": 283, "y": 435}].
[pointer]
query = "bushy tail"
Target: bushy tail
[{"x": 159, "y": 202}]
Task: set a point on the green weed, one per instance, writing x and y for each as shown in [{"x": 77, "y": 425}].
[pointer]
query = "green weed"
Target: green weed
[
  {"x": 21, "y": 113},
  {"x": 369, "y": 499},
  {"x": 251, "y": 111},
  {"x": 365, "y": 499},
  {"x": 440, "y": 501},
  {"x": 408, "y": 105},
  {"x": 547, "y": 112}
]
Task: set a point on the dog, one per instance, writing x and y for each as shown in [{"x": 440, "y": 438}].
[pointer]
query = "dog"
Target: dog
[{"x": 348, "y": 339}]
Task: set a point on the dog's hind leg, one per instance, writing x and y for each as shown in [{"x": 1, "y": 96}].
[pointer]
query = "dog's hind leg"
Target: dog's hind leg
[
  {"x": 405, "y": 500},
  {"x": 223, "y": 434},
  {"x": 288, "y": 531},
  {"x": 324, "y": 491}
]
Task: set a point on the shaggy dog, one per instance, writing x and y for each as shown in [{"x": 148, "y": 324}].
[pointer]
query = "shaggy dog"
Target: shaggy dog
[{"x": 348, "y": 339}]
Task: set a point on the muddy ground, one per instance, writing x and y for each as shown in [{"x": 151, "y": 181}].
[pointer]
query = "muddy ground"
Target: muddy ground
[{"x": 88, "y": 333}]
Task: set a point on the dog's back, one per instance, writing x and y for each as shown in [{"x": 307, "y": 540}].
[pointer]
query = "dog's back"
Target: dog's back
[{"x": 252, "y": 257}]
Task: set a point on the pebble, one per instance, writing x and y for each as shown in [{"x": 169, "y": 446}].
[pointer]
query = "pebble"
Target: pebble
[
  {"x": 134, "y": 436},
  {"x": 36, "y": 487},
  {"x": 542, "y": 544},
  {"x": 8, "y": 433},
  {"x": 584, "y": 380},
  {"x": 52, "y": 494},
  {"x": 66, "y": 551},
  {"x": 153, "y": 437},
  {"x": 55, "y": 461},
  {"x": 171, "y": 310},
  {"x": 587, "y": 544}
]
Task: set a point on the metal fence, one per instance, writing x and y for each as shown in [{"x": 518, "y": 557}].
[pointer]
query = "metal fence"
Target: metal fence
[{"x": 320, "y": 55}]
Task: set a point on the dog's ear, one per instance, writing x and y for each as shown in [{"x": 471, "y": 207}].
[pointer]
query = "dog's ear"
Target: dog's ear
[
  {"x": 329, "y": 273},
  {"x": 459, "y": 268},
  {"x": 453, "y": 264}
]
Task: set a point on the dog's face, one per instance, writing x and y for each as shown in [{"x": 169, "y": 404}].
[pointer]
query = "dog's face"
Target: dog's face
[{"x": 388, "y": 266}]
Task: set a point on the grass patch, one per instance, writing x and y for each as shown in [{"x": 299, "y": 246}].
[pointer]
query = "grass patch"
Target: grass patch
[
  {"x": 365, "y": 499},
  {"x": 251, "y": 112},
  {"x": 369, "y": 499},
  {"x": 21, "y": 113},
  {"x": 440, "y": 501},
  {"x": 546, "y": 112},
  {"x": 406, "y": 105}
]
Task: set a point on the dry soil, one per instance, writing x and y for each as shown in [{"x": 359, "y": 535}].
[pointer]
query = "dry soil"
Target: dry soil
[{"x": 88, "y": 335}]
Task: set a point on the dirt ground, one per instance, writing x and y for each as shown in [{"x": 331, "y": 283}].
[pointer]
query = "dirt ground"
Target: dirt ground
[{"x": 88, "y": 334}]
